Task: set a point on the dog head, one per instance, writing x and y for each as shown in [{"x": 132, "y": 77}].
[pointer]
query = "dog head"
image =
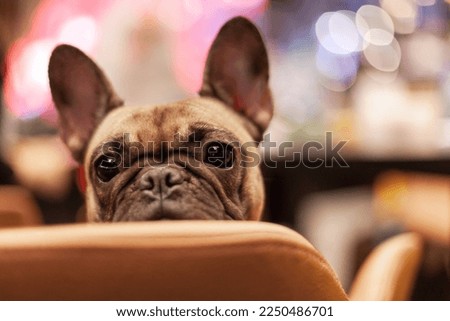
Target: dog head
[{"x": 191, "y": 159}]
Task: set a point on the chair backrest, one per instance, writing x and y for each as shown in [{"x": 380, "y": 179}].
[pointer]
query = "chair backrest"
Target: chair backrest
[
  {"x": 18, "y": 207},
  {"x": 185, "y": 260},
  {"x": 390, "y": 270}
]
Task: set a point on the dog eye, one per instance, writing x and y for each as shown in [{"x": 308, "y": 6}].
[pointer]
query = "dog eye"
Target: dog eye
[
  {"x": 106, "y": 168},
  {"x": 218, "y": 154}
]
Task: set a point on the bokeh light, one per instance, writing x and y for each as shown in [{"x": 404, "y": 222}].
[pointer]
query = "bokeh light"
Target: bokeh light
[
  {"x": 425, "y": 56},
  {"x": 384, "y": 58},
  {"x": 375, "y": 25},
  {"x": 404, "y": 14},
  {"x": 426, "y": 3},
  {"x": 338, "y": 71},
  {"x": 337, "y": 58},
  {"x": 29, "y": 75},
  {"x": 80, "y": 31},
  {"x": 337, "y": 32},
  {"x": 179, "y": 15}
]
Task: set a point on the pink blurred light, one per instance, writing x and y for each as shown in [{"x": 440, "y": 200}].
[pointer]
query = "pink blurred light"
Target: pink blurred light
[
  {"x": 240, "y": 4},
  {"x": 79, "y": 31},
  {"x": 29, "y": 75},
  {"x": 179, "y": 15},
  {"x": 194, "y": 23},
  {"x": 192, "y": 43},
  {"x": 26, "y": 90}
]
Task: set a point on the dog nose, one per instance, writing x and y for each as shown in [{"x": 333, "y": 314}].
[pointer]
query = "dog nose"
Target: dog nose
[{"x": 160, "y": 180}]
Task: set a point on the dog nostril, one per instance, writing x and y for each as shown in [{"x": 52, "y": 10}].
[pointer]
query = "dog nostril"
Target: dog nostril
[
  {"x": 147, "y": 182},
  {"x": 173, "y": 178},
  {"x": 150, "y": 183},
  {"x": 160, "y": 180}
]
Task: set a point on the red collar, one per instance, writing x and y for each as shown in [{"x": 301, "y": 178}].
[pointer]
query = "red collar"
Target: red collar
[{"x": 81, "y": 179}]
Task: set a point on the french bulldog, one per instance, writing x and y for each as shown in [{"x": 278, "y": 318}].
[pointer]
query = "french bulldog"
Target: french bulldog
[{"x": 181, "y": 160}]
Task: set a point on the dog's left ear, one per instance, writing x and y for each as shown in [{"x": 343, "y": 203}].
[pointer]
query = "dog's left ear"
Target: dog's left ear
[
  {"x": 82, "y": 95},
  {"x": 237, "y": 72}
]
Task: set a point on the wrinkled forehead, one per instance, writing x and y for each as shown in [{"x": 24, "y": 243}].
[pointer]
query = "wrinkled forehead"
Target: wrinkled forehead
[{"x": 167, "y": 123}]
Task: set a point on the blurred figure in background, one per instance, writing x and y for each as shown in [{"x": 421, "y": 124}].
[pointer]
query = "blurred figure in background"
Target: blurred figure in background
[
  {"x": 13, "y": 18},
  {"x": 29, "y": 153}
]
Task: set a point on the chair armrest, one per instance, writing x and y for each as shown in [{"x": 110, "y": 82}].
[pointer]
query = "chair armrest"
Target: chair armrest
[{"x": 390, "y": 270}]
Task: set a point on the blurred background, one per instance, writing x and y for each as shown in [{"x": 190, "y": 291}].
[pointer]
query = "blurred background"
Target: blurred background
[{"x": 376, "y": 74}]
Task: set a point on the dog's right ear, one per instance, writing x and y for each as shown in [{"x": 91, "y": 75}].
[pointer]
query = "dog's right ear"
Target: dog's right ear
[{"x": 82, "y": 95}]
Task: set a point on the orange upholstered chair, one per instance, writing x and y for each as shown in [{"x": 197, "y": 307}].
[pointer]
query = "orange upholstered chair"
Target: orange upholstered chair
[
  {"x": 196, "y": 260},
  {"x": 390, "y": 270}
]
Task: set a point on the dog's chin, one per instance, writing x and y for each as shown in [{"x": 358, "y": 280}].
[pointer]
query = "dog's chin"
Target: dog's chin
[{"x": 170, "y": 210}]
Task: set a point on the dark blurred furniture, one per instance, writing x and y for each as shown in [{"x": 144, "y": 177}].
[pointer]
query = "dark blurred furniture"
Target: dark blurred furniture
[
  {"x": 287, "y": 187},
  {"x": 18, "y": 207}
]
